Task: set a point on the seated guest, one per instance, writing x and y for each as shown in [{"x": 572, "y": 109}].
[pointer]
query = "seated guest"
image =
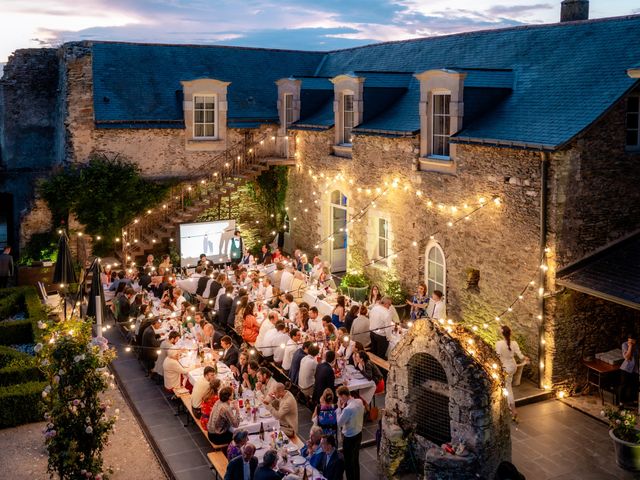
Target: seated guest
[
  {"x": 280, "y": 338},
  {"x": 224, "y": 418},
  {"x": 165, "y": 346},
  {"x": 150, "y": 344},
  {"x": 351, "y": 315},
  {"x": 215, "y": 286},
  {"x": 235, "y": 304},
  {"x": 360, "y": 328},
  {"x": 298, "y": 355},
  {"x": 266, "y": 326},
  {"x": 222, "y": 291},
  {"x": 265, "y": 258},
  {"x": 145, "y": 279},
  {"x": 326, "y": 281},
  {"x": 286, "y": 280},
  {"x": 267, "y": 293},
  {"x": 346, "y": 345},
  {"x": 267, "y": 470},
  {"x": 208, "y": 401},
  {"x": 266, "y": 383},
  {"x": 165, "y": 266},
  {"x": 244, "y": 466},
  {"x": 121, "y": 279},
  {"x": 230, "y": 353},
  {"x": 105, "y": 276},
  {"x": 250, "y": 326},
  {"x": 293, "y": 344},
  {"x": 312, "y": 451},
  {"x": 178, "y": 299},
  {"x": 277, "y": 276},
  {"x": 173, "y": 370},
  {"x": 150, "y": 262},
  {"x": 247, "y": 259},
  {"x": 325, "y": 378},
  {"x": 123, "y": 307},
  {"x": 203, "y": 281},
  {"x": 201, "y": 387},
  {"x": 242, "y": 367},
  {"x": 277, "y": 300},
  {"x": 240, "y": 309},
  {"x": 203, "y": 261},
  {"x": 283, "y": 406},
  {"x": 303, "y": 265},
  {"x": 210, "y": 336},
  {"x": 339, "y": 311},
  {"x": 298, "y": 286},
  {"x": 250, "y": 377},
  {"x": 277, "y": 255},
  {"x": 307, "y": 374},
  {"x": 240, "y": 439},
  {"x": 290, "y": 309},
  {"x": 315, "y": 322},
  {"x": 369, "y": 370},
  {"x": 332, "y": 463}
]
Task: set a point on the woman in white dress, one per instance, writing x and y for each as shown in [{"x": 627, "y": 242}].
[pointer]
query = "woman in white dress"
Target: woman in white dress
[{"x": 508, "y": 350}]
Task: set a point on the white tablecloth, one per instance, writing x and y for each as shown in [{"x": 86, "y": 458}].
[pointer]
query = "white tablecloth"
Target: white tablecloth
[
  {"x": 188, "y": 284},
  {"x": 324, "y": 307},
  {"x": 357, "y": 382}
]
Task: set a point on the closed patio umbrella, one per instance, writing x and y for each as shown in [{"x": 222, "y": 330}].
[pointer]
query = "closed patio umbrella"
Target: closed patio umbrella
[
  {"x": 95, "y": 289},
  {"x": 63, "y": 272}
]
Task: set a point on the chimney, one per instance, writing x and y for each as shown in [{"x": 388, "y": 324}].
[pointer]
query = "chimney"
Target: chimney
[{"x": 573, "y": 10}]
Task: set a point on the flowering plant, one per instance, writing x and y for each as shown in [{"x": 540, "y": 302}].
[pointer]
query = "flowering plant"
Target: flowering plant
[
  {"x": 78, "y": 421},
  {"x": 623, "y": 423}
]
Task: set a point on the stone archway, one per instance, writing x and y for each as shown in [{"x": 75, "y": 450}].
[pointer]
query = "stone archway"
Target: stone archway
[{"x": 437, "y": 393}]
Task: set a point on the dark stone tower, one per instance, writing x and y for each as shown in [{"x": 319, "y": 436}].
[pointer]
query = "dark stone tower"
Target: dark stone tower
[{"x": 573, "y": 10}]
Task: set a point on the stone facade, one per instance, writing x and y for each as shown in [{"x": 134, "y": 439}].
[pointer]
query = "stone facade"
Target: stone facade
[{"x": 478, "y": 413}]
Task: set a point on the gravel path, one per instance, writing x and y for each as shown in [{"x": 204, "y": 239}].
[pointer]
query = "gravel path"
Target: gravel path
[{"x": 23, "y": 456}]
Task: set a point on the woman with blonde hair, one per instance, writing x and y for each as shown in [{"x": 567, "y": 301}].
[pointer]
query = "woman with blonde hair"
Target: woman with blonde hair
[{"x": 325, "y": 415}]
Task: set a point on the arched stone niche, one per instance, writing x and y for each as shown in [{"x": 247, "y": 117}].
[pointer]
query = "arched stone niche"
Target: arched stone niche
[{"x": 441, "y": 394}]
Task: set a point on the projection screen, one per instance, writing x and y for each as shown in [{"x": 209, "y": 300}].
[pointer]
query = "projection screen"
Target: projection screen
[{"x": 211, "y": 238}]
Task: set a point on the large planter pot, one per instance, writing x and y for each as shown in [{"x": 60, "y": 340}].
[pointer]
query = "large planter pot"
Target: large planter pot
[
  {"x": 627, "y": 453},
  {"x": 357, "y": 294}
]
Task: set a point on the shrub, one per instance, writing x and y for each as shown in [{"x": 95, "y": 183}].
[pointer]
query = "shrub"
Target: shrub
[
  {"x": 17, "y": 367},
  {"x": 15, "y": 300},
  {"x": 623, "y": 423},
  {"x": 78, "y": 425},
  {"x": 21, "y": 403}
]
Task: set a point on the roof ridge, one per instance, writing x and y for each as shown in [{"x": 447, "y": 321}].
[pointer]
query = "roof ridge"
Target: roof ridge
[{"x": 487, "y": 31}]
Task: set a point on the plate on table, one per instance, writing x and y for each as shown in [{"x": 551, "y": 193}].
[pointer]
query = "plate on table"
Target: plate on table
[
  {"x": 298, "y": 461},
  {"x": 265, "y": 415},
  {"x": 292, "y": 448}
]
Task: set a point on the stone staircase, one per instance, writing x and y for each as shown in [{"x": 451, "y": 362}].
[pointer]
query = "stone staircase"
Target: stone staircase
[{"x": 203, "y": 189}]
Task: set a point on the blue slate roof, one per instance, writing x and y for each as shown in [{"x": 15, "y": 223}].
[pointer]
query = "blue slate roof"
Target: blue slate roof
[
  {"x": 138, "y": 83},
  {"x": 535, "y": 86},
  {"x": 612, "y": 273}
]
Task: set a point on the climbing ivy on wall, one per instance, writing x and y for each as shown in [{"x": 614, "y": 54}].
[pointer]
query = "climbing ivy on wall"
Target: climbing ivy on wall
[
  {"x": 270, "y": 191},
  {"x": 104, "y": 194}
]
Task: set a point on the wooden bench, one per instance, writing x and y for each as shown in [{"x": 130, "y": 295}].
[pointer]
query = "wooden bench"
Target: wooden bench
[
  {"x": 380, "y": 362},
  {"x": 219, "y": 462}
]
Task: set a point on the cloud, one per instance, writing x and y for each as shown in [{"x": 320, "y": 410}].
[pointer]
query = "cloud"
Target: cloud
[{"x": 510, "y": 10}]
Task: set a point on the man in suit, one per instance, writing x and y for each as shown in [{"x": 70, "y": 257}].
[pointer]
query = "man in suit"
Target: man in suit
[
  {"x": 203, "y": 281},
  {"x": 267, "y": 471},
  {"x": 231, "y": 319},
  {"x": 6, "y": 267},
  {"x": 124, "y": 304},
  {"x": 332, "y": 463},
  {"x": 150, "y": 344},
  {"x": 283, "y": 406},
  {"x": 224, "y": 306},
  {"x": 230, "y": 356},
  {"x": 324, "y": 377},
  {"x": 244, "y": 466}
]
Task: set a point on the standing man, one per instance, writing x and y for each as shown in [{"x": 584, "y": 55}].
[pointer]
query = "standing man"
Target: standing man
[
  {"x": 350, "y": 417},
  {"x": 380, "y": 323},
  {"x": 629, "y": 371},
  {"x": 237, "y": 247},
  {"x": 324, "y": 376}
]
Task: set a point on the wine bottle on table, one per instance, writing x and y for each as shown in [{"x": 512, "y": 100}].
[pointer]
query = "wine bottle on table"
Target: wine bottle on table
[
  {"x": 305, "y": 476},
  {"x": 261, "y": 431}
]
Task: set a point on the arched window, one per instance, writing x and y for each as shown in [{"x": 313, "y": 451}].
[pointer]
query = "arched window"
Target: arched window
[
  {"x": 429, "y": 398},
  {"x": 338, "y": 198},
  {"x": 435, "y": 268}
]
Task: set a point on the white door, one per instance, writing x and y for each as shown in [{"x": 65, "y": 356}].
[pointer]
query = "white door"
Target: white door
[{"x": 339, "y": 231}]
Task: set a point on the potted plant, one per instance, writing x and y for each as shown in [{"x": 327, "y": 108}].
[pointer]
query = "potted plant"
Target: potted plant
[
  {"x": 355, "y": 286},
  {"x": 625, "y": 436},
  {"x": 394, "y": 290}
]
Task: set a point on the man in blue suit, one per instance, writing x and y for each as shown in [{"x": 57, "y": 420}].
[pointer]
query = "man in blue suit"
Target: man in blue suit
[
  {"x": 332, "y": 463},
  {"x": 325, "y": 378},
  {"x": 267, "y": 471},
  {"x": 244, "y": 466}
]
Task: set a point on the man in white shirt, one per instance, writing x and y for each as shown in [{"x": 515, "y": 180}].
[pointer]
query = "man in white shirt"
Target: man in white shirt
[
  {"x": 270, "y": 342},
  {"x": 166, "y": 344},
  {"x": 173, "y": 370},
  {"x": 437, "y": 308},
  {"x": 290, "y": 309},
  {"x": 201, "y": 388},
  {"x": 293, "y": 344},
  {"x": 307, "y": 375},
  {"x": 286, "y": 280},
  {"x": 315, "y": 322},
  {"x": 281, "y": 338},
  {"x": 350, "y": 416},
  {"x": 380, "y": 323},
  {"x": 265, "y": 326}
]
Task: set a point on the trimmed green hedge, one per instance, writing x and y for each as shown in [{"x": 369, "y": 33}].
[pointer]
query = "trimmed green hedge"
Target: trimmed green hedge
[
  {"x": 13, "y": 300},
  {"x": 21, "y": 403},
  {"x": 17, "y": 367}
]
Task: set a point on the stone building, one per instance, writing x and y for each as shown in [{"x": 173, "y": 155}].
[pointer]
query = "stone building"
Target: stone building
[{"x": 481, "y": 163}]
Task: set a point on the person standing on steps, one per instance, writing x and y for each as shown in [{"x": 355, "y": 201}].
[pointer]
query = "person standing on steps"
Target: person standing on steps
[{"x": 507, "y": 350}]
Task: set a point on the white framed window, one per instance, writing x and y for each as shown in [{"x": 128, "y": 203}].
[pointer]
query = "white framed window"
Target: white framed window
[
  {"x": 435, "y": 268},
  {"x": 348, "y": 116},
  {"x": 205, "y": 116},
  {"x": 288, "y": 109},
  {"x": 633, "y": 123},
  {"x": 441, "y": 125},
  {"x": 383, "y": 237}
]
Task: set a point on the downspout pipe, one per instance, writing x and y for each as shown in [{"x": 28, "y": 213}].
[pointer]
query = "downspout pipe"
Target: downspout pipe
[{"x": 542, "y": 280}]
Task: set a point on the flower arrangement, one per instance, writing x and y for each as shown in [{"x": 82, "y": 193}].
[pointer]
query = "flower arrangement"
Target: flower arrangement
[
  {"x": 623, "y": 423},
  {"x": 78, "y": 421}
]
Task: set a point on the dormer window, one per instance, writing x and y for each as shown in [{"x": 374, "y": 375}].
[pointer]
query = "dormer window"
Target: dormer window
[
  {"x": 288, "y": 110},
  {"x": 204, "y": 116},
  {"x": 347, "y": 118},
  {"x": 441, "y": 121},
  {"x": 441, "y": 112}
]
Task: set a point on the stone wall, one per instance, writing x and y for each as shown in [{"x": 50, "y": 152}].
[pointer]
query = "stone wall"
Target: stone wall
[
  {"x": 594, "y": 199},
  {"x": 499, "y": 241},
  {"x": 478, "y": 411}
]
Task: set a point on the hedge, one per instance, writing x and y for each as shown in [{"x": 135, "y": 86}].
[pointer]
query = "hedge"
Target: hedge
[
  {"x": 21, "y": 403},
  {"x": 13, "y": 300},
  {"x": 17, "y": 367}
]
